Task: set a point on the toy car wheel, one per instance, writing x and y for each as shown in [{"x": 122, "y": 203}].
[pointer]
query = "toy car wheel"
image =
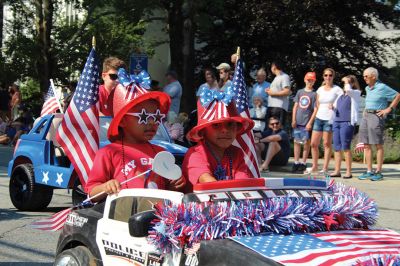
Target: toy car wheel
[
  {"x": 78, "y": 256},
  {"x": 25, "y": 194},
  {"x": 78, "y": 194}
]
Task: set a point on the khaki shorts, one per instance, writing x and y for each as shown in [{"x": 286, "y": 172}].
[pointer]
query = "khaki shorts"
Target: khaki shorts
[{"x": 371, "y": 129}]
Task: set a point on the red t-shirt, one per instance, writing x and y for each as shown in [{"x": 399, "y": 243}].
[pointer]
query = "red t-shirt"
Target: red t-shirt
[
  {"x": 199, "y": 160},
  {"x": 106, "y": 101},
  {"x": 108, "y": 164}
]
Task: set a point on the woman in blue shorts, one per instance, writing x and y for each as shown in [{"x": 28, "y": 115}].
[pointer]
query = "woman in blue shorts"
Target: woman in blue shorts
[
  {"x": 326, "y": 96},
  {"x": 345, "y": 118}
]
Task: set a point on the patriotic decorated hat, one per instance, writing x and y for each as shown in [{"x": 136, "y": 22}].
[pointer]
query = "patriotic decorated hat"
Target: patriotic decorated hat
[
  {"x": 131, "y": 91},
  {"x": 217, "y": 107}
]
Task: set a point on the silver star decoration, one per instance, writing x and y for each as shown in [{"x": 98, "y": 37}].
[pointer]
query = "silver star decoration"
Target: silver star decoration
[{"x": 45, "y": 177}]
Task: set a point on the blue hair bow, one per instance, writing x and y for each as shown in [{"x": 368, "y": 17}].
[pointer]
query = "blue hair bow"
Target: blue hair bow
[
  {"x": 142, "y": 79},
  {"x": 207, "y": 96}
]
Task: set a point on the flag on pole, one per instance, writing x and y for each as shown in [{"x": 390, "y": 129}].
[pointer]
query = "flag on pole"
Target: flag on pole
[
  {"x": 79, "y": 130},
  {"x": 246, "y": 140},
  {"x": 50, "y": 104},
  {"x": 325, "y": 248},
  {"x": 359, "y": 148}
]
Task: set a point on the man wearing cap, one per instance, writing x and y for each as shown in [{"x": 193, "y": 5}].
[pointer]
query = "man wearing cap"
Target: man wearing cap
[
  {"x": 278, "y": 100},
  {"x": 174, "y": 90},
  {"x": 373, "y": 122},
  {"x": 224, "y": 81}
]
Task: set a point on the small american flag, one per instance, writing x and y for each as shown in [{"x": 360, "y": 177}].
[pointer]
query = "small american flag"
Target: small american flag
[
  {"x": 326, "y": 248},
  {"x": 57, "y": 221},
  {"x": 50, "y": 104},
  {"x": 246, "y": 140},
  {"x": 359, "y": 148},
  {"x": 79, "y": 130}
]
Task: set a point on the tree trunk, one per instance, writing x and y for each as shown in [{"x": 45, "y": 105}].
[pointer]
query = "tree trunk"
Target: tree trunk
[
  {"x": 181, "y": 35},
  {"x": 1, "y": 25},
  {"x": 189, "y": 102},
  {"x": 44, "y": 24}
]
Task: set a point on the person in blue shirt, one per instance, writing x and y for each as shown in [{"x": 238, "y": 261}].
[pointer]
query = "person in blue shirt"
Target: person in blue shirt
[
  {"x": 373, "y": 122},
  {"x": 174, "y": 90},
  {"x": 259, "y": 88}
]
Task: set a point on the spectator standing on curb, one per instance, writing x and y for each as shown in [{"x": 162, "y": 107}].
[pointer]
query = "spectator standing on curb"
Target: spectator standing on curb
[
  {"x": 345, "y": 119},
  {"x": 15, "y": 101},
  {"x": 259, "y": 87},
  {"x": 373, "y": 122},
  {"x": 110, "y": 78},
  {"x": 174, "y": 90},
  {"x": 211, "y": 81},
  {"x": 304, "y": 112},
  {"x": 272, "y": 144},
  {"x": 322, "y": 128},
  {"x": 278, "y": 100},
  {"x": 224, "y": 81}
]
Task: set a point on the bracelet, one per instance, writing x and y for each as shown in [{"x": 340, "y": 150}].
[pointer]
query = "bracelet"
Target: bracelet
[{"x": 391, "y": 108}]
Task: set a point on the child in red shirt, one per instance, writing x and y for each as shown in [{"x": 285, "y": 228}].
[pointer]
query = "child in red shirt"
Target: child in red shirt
[
  {"x": 137, "y": 115},
  {"x": 214, "y": 157}
]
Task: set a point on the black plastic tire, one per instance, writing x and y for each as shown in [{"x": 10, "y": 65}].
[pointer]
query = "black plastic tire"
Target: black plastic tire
[
  {"x": 78, "y": 194},
  {"x": 25, "y": 194},
  {"x": 77, "y": 256}
]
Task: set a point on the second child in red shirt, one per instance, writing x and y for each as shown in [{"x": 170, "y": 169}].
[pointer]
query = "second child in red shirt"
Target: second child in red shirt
[
  {"x": 135, "y": 122},
  {"x": 214, "y": 158}
]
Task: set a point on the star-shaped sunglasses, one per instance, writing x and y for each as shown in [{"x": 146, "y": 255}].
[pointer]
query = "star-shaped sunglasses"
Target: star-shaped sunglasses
[{"x": 144, "y": 116}]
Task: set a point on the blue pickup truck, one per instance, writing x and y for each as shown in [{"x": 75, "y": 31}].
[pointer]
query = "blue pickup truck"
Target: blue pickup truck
[{"x": 40, "y": 165}]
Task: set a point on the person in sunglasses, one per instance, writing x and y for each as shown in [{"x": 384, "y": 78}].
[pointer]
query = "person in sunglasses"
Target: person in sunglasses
[
  {"x": 273, "y": 145},
  {"x": 110, "y": 81},
  {"x": 137, "y": 115}
]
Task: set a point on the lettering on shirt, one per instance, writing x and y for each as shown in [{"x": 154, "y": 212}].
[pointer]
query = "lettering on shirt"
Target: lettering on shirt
[{"x": 131, "y": 165}]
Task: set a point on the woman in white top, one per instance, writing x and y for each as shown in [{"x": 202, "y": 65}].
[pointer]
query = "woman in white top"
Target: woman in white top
[{"x": 326, "y": 96}]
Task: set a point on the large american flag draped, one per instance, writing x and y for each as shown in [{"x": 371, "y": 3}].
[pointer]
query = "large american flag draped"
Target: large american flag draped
[
  {"x": 50, "y": 104},
  {"x": 326, "y": 248},
  {"x": 246, "y": 140},
  {"x": 79, "y": 130}
]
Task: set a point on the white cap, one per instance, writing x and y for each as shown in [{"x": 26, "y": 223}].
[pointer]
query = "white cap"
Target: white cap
[{"x": 225, "y": 66}]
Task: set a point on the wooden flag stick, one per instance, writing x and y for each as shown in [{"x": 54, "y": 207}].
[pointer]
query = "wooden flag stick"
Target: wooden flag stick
[{"x": 94, "y": 42}]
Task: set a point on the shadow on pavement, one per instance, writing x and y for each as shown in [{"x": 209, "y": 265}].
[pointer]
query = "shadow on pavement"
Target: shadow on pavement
[
  {"x": 9, "y": 214},
  {"x": 19, "y": 249}
]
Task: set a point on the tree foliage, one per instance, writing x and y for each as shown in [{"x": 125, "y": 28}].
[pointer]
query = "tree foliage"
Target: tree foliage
[{"x": 310, "y": 34}]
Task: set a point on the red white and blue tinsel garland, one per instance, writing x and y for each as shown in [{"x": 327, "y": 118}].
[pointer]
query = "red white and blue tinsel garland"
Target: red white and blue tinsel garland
[
  {"x": 185, "y": 224},
  {"x": 384, "y": 260}
]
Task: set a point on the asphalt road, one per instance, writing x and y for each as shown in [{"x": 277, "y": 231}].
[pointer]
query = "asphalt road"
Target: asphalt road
[{"x": 21, "y": 245}]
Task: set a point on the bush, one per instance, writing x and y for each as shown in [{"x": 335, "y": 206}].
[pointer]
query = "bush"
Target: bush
[{"x": 31, "y": 96}]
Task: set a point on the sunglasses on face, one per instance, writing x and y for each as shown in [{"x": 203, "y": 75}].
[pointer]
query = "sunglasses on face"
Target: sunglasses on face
[
  {"x": 144, "y": 116},
  {"x": 328, "y": 75},
  {"x": 112, "y": 76},
  {"x": 274, "y": 124}
]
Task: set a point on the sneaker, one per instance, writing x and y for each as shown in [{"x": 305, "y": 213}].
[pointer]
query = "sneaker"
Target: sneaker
[
  {"x": 376, "y": 176},
  {"x": 302, "y": 167},
  {"x": 295, "y": 167},
  {"x": 366, "y": 175}
]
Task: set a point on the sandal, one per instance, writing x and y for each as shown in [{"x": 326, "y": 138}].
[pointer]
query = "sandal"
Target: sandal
[
  {"x": 335, "y": 175},
  {"x": 347, "y": 177},
  {"x": 309, "y": 171}
]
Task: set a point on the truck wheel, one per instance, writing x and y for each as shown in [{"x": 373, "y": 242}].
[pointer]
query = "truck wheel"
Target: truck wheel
[
  {"x": 78, "y": 194},
  {"x": 77, "y": 256},
  {"x": 25, "y": 194}
]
